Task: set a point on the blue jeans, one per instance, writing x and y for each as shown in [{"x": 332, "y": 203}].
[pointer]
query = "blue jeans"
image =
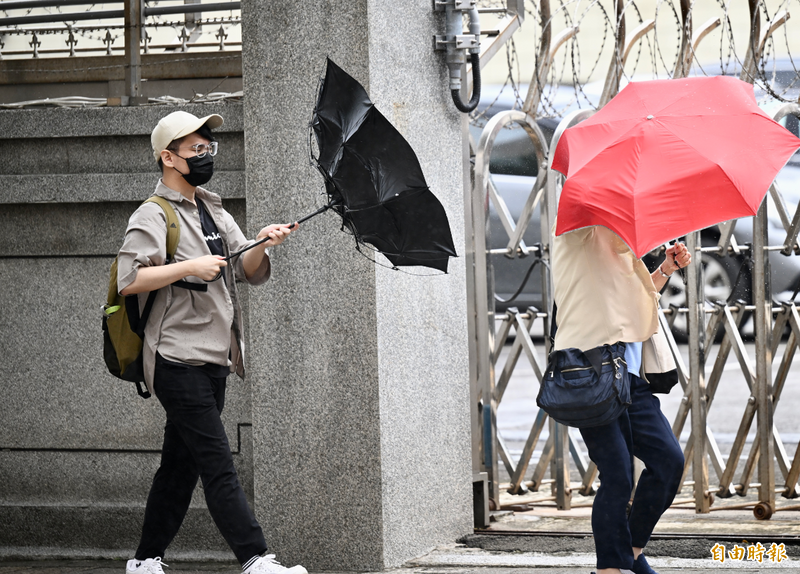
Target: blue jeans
[
  {"x": 644, "y": 432},
  {"x": 196, "y": 446}
]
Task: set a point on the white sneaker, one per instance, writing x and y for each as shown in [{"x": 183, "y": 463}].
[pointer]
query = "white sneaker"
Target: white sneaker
[
  {"x": 268, "y": 565},
  {"x": 149, "y": 566}
]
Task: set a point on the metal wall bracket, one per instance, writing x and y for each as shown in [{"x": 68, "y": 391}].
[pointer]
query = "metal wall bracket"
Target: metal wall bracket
[
  {"x": 442, "y": 5},
  {"x": 459, "y": 41}
]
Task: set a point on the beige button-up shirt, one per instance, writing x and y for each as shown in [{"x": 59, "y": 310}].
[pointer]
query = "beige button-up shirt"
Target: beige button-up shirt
[
  {"x": 188, "y": 326},
  {"x": 603, "y": 292}
]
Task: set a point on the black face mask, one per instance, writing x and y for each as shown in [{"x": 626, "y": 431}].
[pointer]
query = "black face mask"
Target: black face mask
[{"x": 200, "y": 169}]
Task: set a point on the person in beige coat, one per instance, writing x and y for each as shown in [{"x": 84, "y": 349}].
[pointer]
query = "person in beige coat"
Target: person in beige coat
[{"x": 606, "y": 295}]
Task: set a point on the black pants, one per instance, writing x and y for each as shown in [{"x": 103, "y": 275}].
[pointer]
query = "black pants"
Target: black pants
[
  {"x": 196, "y": 446},
  {"x": 644, "y": 432}
]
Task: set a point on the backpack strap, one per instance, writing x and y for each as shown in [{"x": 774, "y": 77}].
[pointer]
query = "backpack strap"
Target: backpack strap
[
  {"x": 173, "y": 237},
  {"x": 138, "y": 320},
  {"x": 173, "y": 225}
]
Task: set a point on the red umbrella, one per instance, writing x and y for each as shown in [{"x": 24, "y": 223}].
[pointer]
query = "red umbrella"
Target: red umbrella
[{"x": 668, "y": 157}]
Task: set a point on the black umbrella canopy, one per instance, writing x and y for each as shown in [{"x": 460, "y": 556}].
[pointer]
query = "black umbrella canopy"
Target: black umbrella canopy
[{"x": 373, "y": 178}]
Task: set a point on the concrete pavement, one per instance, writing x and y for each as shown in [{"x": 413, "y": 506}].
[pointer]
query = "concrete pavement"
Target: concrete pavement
[
  {"x": 542, "y": 540},
  {"x": 452, "y": 559}
]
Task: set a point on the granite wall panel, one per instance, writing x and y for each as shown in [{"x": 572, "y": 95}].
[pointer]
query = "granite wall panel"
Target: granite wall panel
[{"x": 361, "y": 402}]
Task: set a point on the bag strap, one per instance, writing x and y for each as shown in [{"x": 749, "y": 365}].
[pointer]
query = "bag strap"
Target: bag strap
[
  {"x": 553, "y": 325},
  {"x": 136, "y": 320},
  {"x": 173, "y": 225},
  {"x": 143, "y": 392},
  {"x": 173, "y": 237},
  {"x": 202, "y": 287}
]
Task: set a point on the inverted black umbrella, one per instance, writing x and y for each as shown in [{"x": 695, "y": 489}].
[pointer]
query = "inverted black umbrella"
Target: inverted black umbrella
[{"x": 373, "y": 178}]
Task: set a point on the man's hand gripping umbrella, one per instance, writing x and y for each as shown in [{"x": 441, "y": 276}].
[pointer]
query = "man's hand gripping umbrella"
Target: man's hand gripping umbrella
[{"x": 277, "y": 233}]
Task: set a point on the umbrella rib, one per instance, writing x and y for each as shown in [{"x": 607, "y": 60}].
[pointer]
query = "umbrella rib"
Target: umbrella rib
[
  {"x": 355, "y": 128},
  {"x": 633, "y": 202},
  {"x": 699, "y": 153},
  {"x": 410, "y": 193},
  {"x": 614, "y": 142}
]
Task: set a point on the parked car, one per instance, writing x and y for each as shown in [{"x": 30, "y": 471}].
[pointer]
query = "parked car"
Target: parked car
[{"x": 513, "y": 171}]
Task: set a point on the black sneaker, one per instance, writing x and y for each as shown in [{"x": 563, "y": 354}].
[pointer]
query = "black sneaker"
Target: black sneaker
[{"x": 640, "y": 566}]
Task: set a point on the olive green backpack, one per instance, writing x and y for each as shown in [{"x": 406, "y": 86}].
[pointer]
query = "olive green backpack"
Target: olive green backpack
[{"x": 123, "y": 325}]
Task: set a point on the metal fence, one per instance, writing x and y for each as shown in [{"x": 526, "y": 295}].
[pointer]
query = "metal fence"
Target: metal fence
[
  {"x": 47, "y": 42},
  {"x": 713, "y": 328}
]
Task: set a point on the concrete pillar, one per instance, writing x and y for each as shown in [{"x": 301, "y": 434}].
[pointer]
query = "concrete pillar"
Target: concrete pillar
[{"x": 362, "y": 454}]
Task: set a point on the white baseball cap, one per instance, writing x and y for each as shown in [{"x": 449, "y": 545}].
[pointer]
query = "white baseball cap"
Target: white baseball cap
[{"x": 175, "y": 126}]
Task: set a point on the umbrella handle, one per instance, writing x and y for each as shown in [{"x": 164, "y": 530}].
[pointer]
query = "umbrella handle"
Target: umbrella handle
[
  {"x": 260, "y": 241},
  {"x": 683, "y": 275},
  {"x": 310, "y": 215},
  {"x": 681, "y": 271}
]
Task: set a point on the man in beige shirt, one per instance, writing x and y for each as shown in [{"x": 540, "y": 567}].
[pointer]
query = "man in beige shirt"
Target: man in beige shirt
[{"x": 193, "y": 340}]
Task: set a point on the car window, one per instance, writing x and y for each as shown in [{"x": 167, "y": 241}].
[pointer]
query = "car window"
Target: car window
[{"x": 513, "y": 152}]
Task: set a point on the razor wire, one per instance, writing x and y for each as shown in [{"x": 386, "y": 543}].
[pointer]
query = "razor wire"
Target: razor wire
[
  {"x": 655, "y": 55},
  {"x": 85, "y": 102}
]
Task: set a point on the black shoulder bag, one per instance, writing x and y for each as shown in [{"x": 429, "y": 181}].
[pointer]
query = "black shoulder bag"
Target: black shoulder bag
[{"x": 585, "y": 388}]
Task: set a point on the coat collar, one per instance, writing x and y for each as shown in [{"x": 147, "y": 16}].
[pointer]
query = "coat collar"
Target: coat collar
[{"x": 211, "y": 200}]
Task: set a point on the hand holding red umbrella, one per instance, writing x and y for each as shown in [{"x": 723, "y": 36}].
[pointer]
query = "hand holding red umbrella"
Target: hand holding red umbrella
[{"x": 677, "y": 258}]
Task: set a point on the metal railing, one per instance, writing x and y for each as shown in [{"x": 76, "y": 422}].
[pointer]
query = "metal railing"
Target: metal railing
[
  {"x": 561, "y": 452},
  {"x": 103, "y": 58}
]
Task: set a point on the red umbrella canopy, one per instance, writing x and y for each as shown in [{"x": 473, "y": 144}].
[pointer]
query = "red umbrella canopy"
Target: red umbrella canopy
[{"x": 668, "y": 157}]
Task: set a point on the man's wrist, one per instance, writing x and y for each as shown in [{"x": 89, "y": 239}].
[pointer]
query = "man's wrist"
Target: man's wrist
[
  {"x": 663, "y": 274},
  {"x": 186, "y": 268}
]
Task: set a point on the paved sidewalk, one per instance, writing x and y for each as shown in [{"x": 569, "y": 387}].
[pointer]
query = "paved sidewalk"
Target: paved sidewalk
[
  {"x": 470, "y": 560},
  {"x": 453, "y": 559},
  {"x": 540, "y": 540},
  {"x": 535, "y": 512}
]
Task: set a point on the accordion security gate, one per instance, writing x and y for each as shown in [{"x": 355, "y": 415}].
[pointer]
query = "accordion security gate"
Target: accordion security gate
[{"x": 713, "y": 328}]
